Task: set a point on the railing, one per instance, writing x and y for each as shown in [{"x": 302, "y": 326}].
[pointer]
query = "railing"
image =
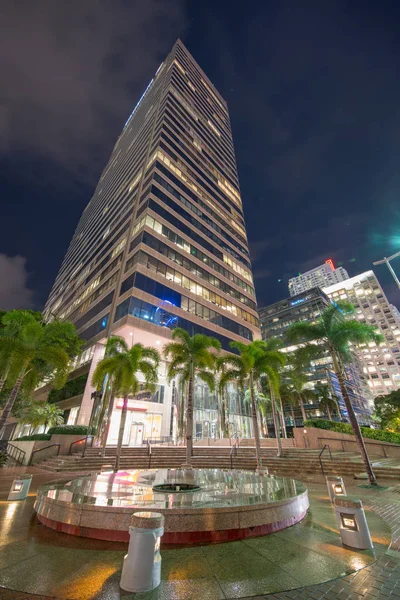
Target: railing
[
  {"x": 320, "y": 457},
  {"x": 149, "y": 446},
  {"x": 80, "y": 444},
  {"x": 16, "y": 453},
  {"x": 233, "y": 452},
  {"x": 236, "y": 436},
  {"x": 33, "y": 462},
  {"x": 374, "y": 443}
]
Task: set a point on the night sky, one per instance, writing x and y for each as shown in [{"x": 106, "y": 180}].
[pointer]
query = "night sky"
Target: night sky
[{"x": 313, "y": 89}]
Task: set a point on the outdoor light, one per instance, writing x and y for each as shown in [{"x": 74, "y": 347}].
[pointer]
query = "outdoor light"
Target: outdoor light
[
  {"x": 353, "y": 526},
  {"x": 348, "y": 522},
  {"x": 335, "y": 487},
  {"x": 338, "y": 488},
  {"x": 20, "y": 488}
]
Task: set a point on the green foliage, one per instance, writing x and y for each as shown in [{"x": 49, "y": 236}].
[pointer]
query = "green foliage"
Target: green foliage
[
  {"x": 73, "y": 387},
  {"x": 21, "y": 404},
  {"x": 69, "y": 430},
  {"x": 372, "y": 434},
  {"x": 42, "y": 413},
  {"x": 387, "y": 410},
  {"x": 35, "y": 437},
  {"x": 3, "y": 459}
]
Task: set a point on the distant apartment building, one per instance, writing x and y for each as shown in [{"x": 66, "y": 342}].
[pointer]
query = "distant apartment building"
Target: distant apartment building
[
  {"x": 381, "y": 364},
  {"x": 308, "y": 306},
  {"x": 321, "y": 277}
]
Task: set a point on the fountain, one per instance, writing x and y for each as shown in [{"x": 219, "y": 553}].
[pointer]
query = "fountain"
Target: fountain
[{"x": 199, "y": 505}]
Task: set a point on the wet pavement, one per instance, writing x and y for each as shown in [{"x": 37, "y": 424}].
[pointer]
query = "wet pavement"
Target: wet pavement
[{"x": 304, "y": 561}]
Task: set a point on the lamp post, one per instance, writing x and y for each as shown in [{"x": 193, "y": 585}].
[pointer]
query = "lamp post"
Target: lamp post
[{"x": 386, "y": 261}]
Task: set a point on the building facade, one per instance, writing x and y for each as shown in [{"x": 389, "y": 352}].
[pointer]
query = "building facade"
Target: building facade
[
  {"x": 381, "y": 364},
  {"x": 162, "y": 243},
  {"x": 308, "y": 306},
  {"x": 321, "y": 276}
]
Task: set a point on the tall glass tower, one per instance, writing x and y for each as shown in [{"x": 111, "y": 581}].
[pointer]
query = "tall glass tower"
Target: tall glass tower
[{"x": 162, "y": 242}]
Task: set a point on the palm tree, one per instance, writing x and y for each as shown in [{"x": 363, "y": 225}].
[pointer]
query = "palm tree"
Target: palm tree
[
  {"x": 35, "y": 350},
  {"x": 263, "y": 403},
  {"x": 337, "y": 334},
  {"x": 114, "y": 344},
  {"x": 191, "y": 358},
  {"x": 255, "y": 359},
  {"x": 223, "y": 377},
  {"x": 326, "y": 401},
  {"x": 298, "y": 363},
  {"x": 123, "y": 367},
  {"x": 289, "y": 396}
]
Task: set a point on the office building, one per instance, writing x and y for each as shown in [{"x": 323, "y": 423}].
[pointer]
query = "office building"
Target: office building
[
  {"x": 308, "y": 306},
  {"x": 162, "y": 243},
  {"x": 381, "y": 364},
  {"x": 321, "y": 276}
]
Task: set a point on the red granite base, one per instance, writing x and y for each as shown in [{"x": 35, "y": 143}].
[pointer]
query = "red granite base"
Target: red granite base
[{"x": 175, "y": 537}]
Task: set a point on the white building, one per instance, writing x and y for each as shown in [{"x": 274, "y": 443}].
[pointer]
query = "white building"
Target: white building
[
  {"x": 381, "y": 364},
  {"x": 321, "y": 277}
]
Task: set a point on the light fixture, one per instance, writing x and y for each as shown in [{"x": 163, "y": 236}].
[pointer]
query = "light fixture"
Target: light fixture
[
  {"x": 17, "y": 487},
  {"x": 348, "y": 522},
  {"x": 338, "y": 488}
]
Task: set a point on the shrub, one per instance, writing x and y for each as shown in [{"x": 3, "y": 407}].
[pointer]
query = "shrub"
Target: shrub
[
  {"x": 73, "y": 387},
  {"x": 69, "y": 430},
  {"x": 372, "y": 434},
  {"x": 35, "y": 437},
  {"x": 3, "y": 458}
]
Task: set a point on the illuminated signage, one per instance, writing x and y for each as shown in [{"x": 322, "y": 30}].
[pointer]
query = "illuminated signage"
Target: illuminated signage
[
  {"x": 329, "y": 262},
  {"x": 298, "y": 301}
]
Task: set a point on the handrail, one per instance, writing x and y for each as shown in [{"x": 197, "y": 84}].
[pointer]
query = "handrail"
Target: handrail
[
  {"x": 76, "y": 442},
  {"x": 19, "y": 452},
  {"x": 45, "y": 448},
  {"x": 234, "y": 435},
  {"x": 233, "y": 453},
  {"x": 320, "y": 457},
  {"x": 149, "y": 453},
  {"x": 370, "y": 442}
]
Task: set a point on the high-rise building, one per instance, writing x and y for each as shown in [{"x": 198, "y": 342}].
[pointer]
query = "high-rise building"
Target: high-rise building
[
  {"x": 321, "y": 276},
  {"x": 162, "y": 243},
  {"x": 308, "y": 306},
  {"x": 381, "y": 364}
]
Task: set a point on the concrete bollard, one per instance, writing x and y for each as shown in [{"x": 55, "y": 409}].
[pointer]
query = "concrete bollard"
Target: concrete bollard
[
  {"x": 141, "y": 570},
  {"x": 20, "y": 488},
  {"x": 335, "y": 487},
  {"x": 353, "y": 525}
]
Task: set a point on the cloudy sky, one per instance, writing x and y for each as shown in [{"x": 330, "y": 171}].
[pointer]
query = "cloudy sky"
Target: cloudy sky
[{"x": 314, "y": 94}]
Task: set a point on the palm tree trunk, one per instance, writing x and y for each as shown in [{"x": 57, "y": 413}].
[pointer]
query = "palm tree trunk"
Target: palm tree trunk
[
  {"x": 225, "y": 430},
  {"x": 293, "y": 417},
  {"x": 339, "y": 370},
  {"x": 276, "y": 423},
  {"x": 328, "y": 410},
  {"x": 303, "y": 411},
  {"x": 107, "y": 424},
  {"x": 121, "y": 432},
  {"x": 10, "y": 402},
  {"x": 3, "y": 378},
  {"x": 282, "y": 416},
  {"x": 189, "y": 417},
  {"x": 255, "y": 423}
]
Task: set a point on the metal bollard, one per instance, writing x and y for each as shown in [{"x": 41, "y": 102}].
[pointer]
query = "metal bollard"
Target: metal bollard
[
  {"x": 141, "y": 570},
  {"x": 20, "y": 488},
  {"x": 353, "y": 525},
  {"x": 335, "y": 487}
]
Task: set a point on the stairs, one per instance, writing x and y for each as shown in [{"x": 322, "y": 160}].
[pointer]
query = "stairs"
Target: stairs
[{"x": 294, "y": 463}]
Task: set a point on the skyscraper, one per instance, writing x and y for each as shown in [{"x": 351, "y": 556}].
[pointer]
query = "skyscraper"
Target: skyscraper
[
  {"x": 321, "y": 276},
  {"x": 381, "y": 364},
  {"x": 162, "y": 242}
]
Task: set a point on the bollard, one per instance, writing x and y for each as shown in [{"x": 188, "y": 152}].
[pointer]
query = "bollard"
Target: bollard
[
  {"x": 141, "y": 570},
  {"x": 20, "y": 488},
  {"x": 352, "y": 523},
  {"x": 335, "y": 487}
]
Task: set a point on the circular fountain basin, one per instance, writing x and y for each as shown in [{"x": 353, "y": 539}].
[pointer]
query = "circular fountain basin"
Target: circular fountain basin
[{"x": 217, "y": 506}]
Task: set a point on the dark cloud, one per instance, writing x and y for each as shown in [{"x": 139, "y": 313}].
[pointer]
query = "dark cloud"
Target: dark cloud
[
  {"x": 14, "y": 290},
  {"x": 72, "y": 70}
]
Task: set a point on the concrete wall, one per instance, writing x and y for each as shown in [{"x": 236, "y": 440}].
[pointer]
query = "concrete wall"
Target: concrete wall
[
  {"x": 312, "y": 437},
  {"x": 31, "y": 446}
]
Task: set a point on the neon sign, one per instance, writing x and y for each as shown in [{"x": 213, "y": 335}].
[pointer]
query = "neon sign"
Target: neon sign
[{"x": 329, "y": 262}]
